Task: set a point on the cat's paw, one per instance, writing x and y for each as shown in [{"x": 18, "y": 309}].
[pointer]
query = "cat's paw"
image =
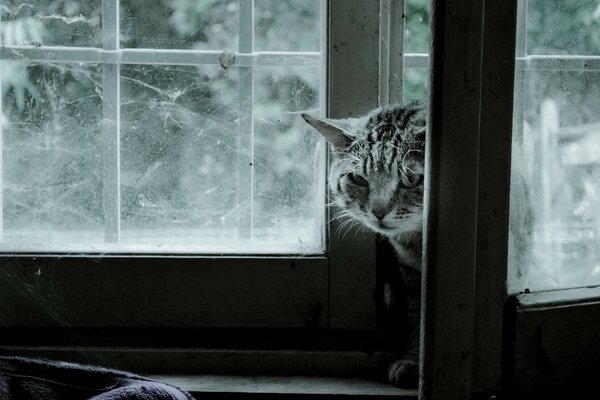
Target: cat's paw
[{"x": 404, "y": 373}]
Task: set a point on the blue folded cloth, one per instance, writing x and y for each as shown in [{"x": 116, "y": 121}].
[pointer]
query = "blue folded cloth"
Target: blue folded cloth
[{"x": 33, "y": 379}]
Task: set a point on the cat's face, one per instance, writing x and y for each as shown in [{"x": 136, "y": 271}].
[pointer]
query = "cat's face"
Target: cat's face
[{"x": 377, "y": 169}]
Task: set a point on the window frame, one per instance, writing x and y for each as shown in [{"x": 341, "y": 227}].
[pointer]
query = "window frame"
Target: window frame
[
  {"x": 333, "y": 290},
  {"x": 550, "y": 335},
  {"x": 472, "y": 331},
  {"x": 477, "y": 339},
  {"x": 467, "y": 191}
]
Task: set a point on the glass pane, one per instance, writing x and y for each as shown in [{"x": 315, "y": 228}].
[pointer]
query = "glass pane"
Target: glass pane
[
  {"x": 416, "y": 40},
  {"x": 210, "y": 159},
  {"x": 179, "y": 24},
  {"x": 563, "y": 27},
  {"x": 555, "y": 192},
  {"x": 416, "y": 26},
  {"x": 287, "y": 25},
  {"x": 52, "y": 23},
  {"x": 415, "y": 84},
  {"x": 179, "y": 142},
  {"x": 51, "y": 169},
  {"x": 288, "y": 207}
]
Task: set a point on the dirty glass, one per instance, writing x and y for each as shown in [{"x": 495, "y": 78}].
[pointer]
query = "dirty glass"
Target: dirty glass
[
  {"x": 416, "y": 41},
  {"x": 554, "y": 239},
  {"x": 179, "y": 24},
  {"x": 144, "y": 149},
  {"x": 276, "y": 30},
  {"x": 284, "y": 196},
  {"x": 51, "y": 169},
  {"x": 51, "y": 23}
]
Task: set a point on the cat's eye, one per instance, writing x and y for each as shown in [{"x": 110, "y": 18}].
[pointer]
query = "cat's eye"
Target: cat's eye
[
  {"x": 358, "y": 180},
  {"x": 410, "y": 181}
]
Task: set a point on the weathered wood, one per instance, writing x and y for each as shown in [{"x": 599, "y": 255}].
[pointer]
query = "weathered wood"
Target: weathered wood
[
  {"x": 163, "y": 292},
  {"x": 391, "y": 51},
  {"x": 451, "y": 200},
  {"x": 305, "y": 386},
  {"x": 495, "y": 140},
  {"x": 556, "y": 339},
  {"x": 196, "y": 361},
  {"x": 353, "y": 90}
]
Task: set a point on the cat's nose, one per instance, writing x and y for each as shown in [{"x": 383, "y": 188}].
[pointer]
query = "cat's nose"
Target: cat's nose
[{"x": 380, "y": 214}]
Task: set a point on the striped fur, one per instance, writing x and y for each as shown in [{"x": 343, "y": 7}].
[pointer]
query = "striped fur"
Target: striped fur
[{"x": 376, "y": 177}]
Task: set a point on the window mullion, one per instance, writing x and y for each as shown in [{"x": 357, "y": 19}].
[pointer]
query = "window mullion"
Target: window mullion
[
  {"x": 496, "y": 116},
  {"x": 391, "y": 48},
  {"x": 2, "y": 121},
  {"x": 157, "y": 56},
  {"x": 450, "y": 216},
  {"x": 245, "y": 157},
  {"x": 521, "y": 53},
  {"x": 111, "y": 124},
  {"x": 353, "y": 89}
]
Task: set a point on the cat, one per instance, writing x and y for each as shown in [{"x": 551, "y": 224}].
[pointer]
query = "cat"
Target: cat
[{"x": 376, "y": 175}]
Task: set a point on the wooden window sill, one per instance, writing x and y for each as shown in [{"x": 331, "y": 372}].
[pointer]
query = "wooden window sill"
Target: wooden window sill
[{"x": 220, "y": 386}]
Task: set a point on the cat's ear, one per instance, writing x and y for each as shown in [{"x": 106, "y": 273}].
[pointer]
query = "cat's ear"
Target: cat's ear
[{"x": 338, "y": 132}]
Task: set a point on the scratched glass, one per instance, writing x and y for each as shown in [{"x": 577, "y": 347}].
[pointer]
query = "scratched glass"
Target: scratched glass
[
  {"x": 288, "y": 158},
  {"x": 51, "y": 23},
  {"x": 278, "y": 29},
  {"x": 52, "y": 166},
  {"x": 180, "y": 148},
  {"x": 155, "y": 158},
  {"x": 179, "y": 24},
  {"x": 555, "y": 193}
]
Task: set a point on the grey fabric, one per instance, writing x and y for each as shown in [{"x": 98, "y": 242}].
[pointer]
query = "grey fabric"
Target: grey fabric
[{"x": 36, "y": 379}]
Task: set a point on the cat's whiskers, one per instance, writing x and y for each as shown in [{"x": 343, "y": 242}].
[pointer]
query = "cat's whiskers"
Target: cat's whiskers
[
  {"x": 340, "y": 214},
  {"x": 351, "y": 226},
  {"x": 381, "y": 148},
  {"x": 338, "y": 231}
]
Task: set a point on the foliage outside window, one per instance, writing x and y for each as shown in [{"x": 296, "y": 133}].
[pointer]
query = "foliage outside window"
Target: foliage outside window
[{"x": 211, "y": 156}]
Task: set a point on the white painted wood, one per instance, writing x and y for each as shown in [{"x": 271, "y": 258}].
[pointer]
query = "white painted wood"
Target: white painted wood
[
  {"x": 245, "y": 156},
  {"x": 574, "y": 63},
  {"x": 414, "y": 60},
  {"x": 391, "y": 50},
  {"x": 155, "y": 56},
  {"x": 111, "y": 125},
  {"x": 557, "y": 298}
]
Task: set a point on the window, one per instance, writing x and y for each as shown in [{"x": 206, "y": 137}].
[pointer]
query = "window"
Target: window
[
  {"x": 129, "y": 132},
  {"x": 555, "y": 145},
  {"x": 553, "y": 268},
  {"x": 475, "y": 338},
  {"x": 105, "y": 252}
]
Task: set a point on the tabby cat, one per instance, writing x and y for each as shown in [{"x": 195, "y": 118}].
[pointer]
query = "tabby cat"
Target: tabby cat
[{"x": 376, "y": 175}]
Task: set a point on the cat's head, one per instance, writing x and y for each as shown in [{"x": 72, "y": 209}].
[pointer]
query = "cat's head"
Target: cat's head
[{"x": 376, "y": 173}]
